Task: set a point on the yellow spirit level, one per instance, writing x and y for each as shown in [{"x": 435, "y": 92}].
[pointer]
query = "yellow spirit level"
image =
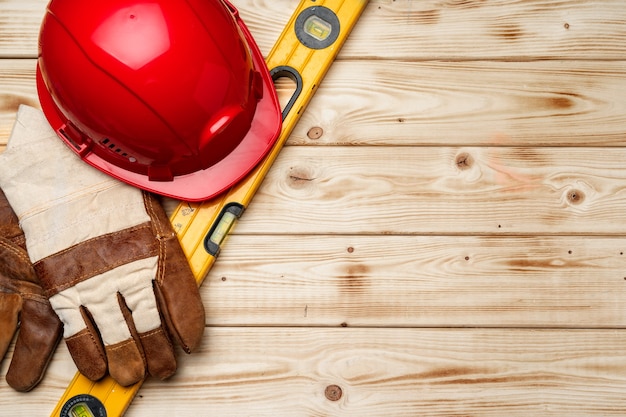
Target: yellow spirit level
[{"x": 304, "y": 51}]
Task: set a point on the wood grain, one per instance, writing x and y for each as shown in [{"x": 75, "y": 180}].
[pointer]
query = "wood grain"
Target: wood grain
[
  {"x": 408, "y": 30},
  {"x": 441, "y": 190},
  {"x": 422, "y": 281},
  {"x": 381, "y": 372},
  {"x": 17, "y": 86},
  {"x": 19, "y": 27},
  {"x": 545, "y": 103},
  {"x": 551, "y": 103}
]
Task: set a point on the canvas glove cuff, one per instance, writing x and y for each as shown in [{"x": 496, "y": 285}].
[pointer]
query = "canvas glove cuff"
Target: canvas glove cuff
[{"x": 106, "y": 256}]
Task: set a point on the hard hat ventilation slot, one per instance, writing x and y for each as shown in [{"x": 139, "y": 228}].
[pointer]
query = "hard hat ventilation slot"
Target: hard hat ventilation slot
[{"x": 117, "y": 150}]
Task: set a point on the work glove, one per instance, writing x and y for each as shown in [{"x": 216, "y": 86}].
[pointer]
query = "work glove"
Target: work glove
[
  {"x": 22, "y": 301},
  {"x": 106, "y": 256}
]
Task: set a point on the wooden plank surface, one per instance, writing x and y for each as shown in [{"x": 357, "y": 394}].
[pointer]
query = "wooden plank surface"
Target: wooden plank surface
[
  {"x": 410, "y": 30},
  {"x": 442, "y": 190},
  {"x": 442, "y": 236},
  {"x": 554, "y": 103},
  {"x": 17, "y": 86},
  {"x": 419, "y": 281},
  {"x": 381, "y": 372},
  {"x": 538, "y": 103}
]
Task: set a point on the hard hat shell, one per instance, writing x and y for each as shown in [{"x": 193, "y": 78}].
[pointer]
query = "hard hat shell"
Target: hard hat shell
[{"x": 173, "y": 97}]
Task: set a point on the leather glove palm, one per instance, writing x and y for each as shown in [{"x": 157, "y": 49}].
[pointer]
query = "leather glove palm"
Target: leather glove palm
[{"x": 106, "y": 256}]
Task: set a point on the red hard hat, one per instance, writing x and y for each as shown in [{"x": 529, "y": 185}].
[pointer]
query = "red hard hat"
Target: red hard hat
[{"x": 170, "y": 96}]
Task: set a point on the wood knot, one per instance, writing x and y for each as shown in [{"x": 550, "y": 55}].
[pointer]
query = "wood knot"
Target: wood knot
[
  {"x": 562, "y": 103},
  {"x": 575, "y": 197},
  {"x": 333, "y": 392},
  {"x": 300, "y": 177},
  {"x": 464, "y": 161},
  {"x": 315, "y": 132}
]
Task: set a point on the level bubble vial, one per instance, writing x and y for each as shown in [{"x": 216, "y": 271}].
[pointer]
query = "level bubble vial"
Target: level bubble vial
[{"x": 318, "y": 28}]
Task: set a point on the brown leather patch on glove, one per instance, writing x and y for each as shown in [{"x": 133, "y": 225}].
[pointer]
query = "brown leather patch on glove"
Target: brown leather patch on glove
[{"x": 87, "y": 259}]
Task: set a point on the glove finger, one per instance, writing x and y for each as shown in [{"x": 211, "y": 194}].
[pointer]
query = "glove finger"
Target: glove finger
[
  {"x": 81, "y": 335},
  {"x": 95, "y": 329},
  {"x": 159, "y": 353},
  {"x": 10, "y": 305},
  {"x": 87, "y": 350},
  {"x": 141, "y": 313},
  {"x": 40, "y": 333},
  {"x": 175, "y": 286},
  {"x": 126, "y": 365},
  {"x": 126, "y": 359},
  {"x": 182, "y": 309},
  {"x": 123, "y": 360}
]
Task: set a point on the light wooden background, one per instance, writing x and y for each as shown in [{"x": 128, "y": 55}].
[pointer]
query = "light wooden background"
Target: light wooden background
[{"x": 454, "y": 244}]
